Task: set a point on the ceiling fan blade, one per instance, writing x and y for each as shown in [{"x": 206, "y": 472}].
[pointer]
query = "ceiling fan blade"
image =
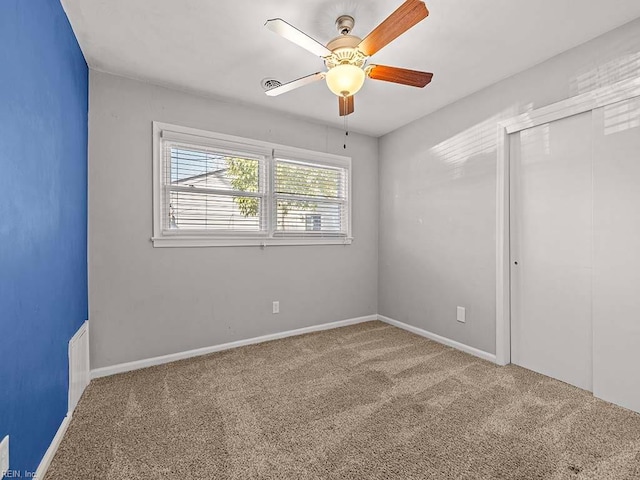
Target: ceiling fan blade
[
  {"x": 413, "y": 78},
  {"x": 346, "y": 105},
  {"x": 301, "y": 82},
  {"x": 291, "y": 33},
  {"x": 406, "y": 16}
]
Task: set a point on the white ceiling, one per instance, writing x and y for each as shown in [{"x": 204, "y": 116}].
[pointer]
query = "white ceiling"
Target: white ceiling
[{"x": 221, "y": 48}]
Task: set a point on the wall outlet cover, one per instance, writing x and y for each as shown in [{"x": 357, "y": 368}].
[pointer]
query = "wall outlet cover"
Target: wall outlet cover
[
  {"x": 461, "y": 314},
  {"x": 276, "y": 307}
]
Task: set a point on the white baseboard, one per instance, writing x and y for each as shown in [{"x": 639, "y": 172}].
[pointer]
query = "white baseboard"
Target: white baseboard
[
  {"x": 53, "y": 448},
  {"x": 437, "y": 338},
  {"x": 150, "y": 362}
]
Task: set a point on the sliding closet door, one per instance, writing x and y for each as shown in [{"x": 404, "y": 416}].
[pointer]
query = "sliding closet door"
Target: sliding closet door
[
  {"x": 616, "y": 301},
  {"x": 551, "y": 249}
]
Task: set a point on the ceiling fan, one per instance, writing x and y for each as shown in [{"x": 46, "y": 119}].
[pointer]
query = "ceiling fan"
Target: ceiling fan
[{"x": 346, "y": 55}]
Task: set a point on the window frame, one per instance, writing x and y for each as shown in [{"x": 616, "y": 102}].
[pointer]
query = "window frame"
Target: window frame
[{"x": 269, "y": 152}]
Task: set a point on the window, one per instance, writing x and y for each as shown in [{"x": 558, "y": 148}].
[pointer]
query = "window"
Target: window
[{"x": 212, "y": 189}]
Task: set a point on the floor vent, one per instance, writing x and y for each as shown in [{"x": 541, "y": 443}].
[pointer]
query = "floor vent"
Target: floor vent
[{"x": 78, "y": 365}]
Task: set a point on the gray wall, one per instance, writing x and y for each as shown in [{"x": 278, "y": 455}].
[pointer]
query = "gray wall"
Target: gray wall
[
  {"x": 146, "y": 301},
  {"x": 438, "y": 188}
]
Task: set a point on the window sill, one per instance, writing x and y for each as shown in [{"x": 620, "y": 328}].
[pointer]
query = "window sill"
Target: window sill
[{"x": 199, "y": 241}]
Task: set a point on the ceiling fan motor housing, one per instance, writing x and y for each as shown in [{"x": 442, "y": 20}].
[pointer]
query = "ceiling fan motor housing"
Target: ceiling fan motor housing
[{"x": 343, "y": 50}]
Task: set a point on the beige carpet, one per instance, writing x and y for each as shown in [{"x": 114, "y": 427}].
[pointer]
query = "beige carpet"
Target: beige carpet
[{"x": 368, "y": 401}]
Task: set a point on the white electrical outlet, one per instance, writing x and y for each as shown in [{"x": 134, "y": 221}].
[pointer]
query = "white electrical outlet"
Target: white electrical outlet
[
  {"x": 4, "y": 456},
  {"x": 461, "y": 315},
  {"x": 276, "y": 307}
]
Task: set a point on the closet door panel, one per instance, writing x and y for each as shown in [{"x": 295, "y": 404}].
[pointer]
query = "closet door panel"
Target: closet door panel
[
  {"x": 551, "y": 232},
  {"x": 616, "y": 222}
]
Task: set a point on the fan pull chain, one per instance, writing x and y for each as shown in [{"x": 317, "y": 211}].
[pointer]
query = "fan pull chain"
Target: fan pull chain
[{"x": 346, "y": 123}]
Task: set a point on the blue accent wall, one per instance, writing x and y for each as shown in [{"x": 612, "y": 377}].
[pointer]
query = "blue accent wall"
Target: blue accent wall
[{"x": 43, "y": 220}]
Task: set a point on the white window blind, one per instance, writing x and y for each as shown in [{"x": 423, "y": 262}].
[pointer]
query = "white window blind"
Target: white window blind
[
  {"x": 213, "y": 189},
  {"x": 311, "y": 199}
]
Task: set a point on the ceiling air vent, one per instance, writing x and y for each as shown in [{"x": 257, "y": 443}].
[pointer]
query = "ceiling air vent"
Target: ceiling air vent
[{"x": 269, "y": 83}]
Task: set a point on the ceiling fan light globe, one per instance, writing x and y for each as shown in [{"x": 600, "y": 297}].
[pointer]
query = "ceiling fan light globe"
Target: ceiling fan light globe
[{"x": 345, "y": 80}]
